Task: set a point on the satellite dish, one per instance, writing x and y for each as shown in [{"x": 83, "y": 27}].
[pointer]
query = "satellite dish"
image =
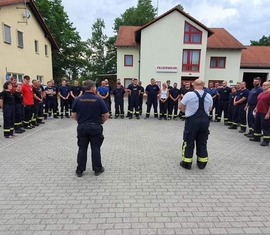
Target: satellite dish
[{"x": 26, "y": 14}]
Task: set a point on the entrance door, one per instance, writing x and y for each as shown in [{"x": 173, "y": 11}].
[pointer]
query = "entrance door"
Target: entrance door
[
  {"x": 248, "y": 78},
  {"x": 187, "y": 79}
]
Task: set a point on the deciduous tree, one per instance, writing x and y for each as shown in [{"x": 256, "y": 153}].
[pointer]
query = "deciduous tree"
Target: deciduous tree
[
  {"x": 69, "y": 61},
  {"x": 264, "y": 41}
]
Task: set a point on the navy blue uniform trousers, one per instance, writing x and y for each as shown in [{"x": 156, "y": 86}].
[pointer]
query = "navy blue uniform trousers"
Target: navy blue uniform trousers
[
  {"x": 89, "y": 133},
  {"x": 196, "y": 130}
]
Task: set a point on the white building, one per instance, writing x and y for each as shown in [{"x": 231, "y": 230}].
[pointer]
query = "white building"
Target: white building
[{"x": 177, "y": 47}]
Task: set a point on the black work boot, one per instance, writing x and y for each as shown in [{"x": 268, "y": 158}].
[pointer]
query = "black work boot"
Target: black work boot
[
  {"x": 185, "y": 165},
  {"x": 265, "y": 142},
  {"x": 201, "y": 165},
  {"x": 255, "y": 139}
]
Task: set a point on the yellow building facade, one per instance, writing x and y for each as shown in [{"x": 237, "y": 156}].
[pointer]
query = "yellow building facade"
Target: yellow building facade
[{"x": 25, "y": 43}]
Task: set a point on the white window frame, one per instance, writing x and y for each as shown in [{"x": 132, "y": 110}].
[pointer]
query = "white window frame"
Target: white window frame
[
  {"x": 36, "y": 44},
  {"x": 40, "y": 78},
  {"x": 18, "y": 76},
  {"x": 20, "y": 43},
  {"x": 7, "y": 33},
  {"x": 46, "y": 50}
]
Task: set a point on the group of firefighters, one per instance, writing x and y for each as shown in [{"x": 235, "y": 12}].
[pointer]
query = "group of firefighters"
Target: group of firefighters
[
  {"x": 26, "y": 105},
  {"x": 238, "y": 106}
]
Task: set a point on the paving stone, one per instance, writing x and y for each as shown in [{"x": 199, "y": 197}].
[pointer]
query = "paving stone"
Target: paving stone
[{"x": 143, "y": 189}]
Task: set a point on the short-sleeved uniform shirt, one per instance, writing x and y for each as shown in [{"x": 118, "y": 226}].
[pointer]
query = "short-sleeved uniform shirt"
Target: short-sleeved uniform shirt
[
  {"x": 27, "y": 91},
  {"x": 37, "y": 91},
  {"x": 118, "y": 93},
  {"x": 7, "y": 97},
  {"x": 191, "y": 101},
  {"x": 253, "y": 94},
  {"x": 263, "y": 102},
  {"x": 241, "y": 94},
  {"x": 134, "y": 91},
  {"x": 76, "y": 90},
  {"x": 224, "y": 93},
  {"x": 174, "y": 92},
  {"x": 50, "y": 89},
  {"x": 103, "y": 90},
  {"x": 18, "y": 97},
  {"x": 89, "y": 108},
  {"x": 64, "y": 90},
  {"x": 152, "y": 91}
]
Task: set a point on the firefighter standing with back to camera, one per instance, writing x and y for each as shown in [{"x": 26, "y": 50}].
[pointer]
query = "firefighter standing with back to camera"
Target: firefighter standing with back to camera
[{"x": 196, "y": 105}]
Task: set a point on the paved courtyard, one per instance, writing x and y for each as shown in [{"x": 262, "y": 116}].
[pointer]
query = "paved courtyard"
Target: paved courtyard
[{"x": 143, "y": 189}]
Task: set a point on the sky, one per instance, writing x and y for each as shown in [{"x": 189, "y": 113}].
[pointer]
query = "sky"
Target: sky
[{"x": 245, "y": 19}]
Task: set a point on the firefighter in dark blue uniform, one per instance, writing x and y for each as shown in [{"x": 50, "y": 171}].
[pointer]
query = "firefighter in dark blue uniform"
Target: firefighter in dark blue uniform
[
  {"x": 223, "y": 95},
  {"x": 196, "y": 105},
  {"x": 118, "y": 93},
  {"x": 141, "y": 97},
  {"x": 19, "y": 110},
  {"x": 174, "y": 95},
  {"x": 152, "y": 91},
  {"x": 213, "y": 92},
  {"x": 184, "y": 90},
  {"x": 64, "y": 93},
  {"x": 134, "y": 91},
  {"x": 91, "y": 112},
  {"x": 231, "y": 107},
  {"x": 251, "y": 104},
  {"x": 240, "y": 113},
  {"x": 50, "y": 102},
  {"x": 37, "y": 102},
  {"x": 8, "y": 105}
]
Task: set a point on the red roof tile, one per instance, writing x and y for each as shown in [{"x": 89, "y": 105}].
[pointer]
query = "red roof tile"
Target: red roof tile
[
  {"x": 222, "y": 39},
  {"x": 256, "y": 56},
  {"x": 10, "y": 2},
  {"x": 181, "y": 12},
  {"x": 126, "y": 36}
]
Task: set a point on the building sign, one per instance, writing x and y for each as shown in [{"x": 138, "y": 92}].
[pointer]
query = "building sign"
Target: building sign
[{"x": 166, "y": 69}]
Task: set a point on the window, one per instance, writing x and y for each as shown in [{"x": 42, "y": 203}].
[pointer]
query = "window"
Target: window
[
  {"x": 46, "y": 50},
  {"x": 192, "y": 35},
  {"x": 20, "y": 39},
  {"x": 7, "y": 34},
  {"x": 40, "y": 78},
  {"x": 217, "y": 62},
  {"x": 191, "y": 60},
  {"x": 128, "y": 60},
  {"x": 18, "y": 76},
  {"x": 36, "y": 46},
  {"x": 127, "y": 82}
]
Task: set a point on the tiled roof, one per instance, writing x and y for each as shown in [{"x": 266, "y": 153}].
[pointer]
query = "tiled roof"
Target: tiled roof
[
  {"x": 36, "y": 13},
  {"x": 181, "y": 12},
  {"x": 222, "y": 39},
  {"x": 256, "y": 56},
  {"x": 126, "y": 36},
  {"x": 10, "y": 2}
]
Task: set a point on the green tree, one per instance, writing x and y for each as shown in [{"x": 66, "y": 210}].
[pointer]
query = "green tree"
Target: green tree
[
  {"x": 264, "y": 41},
  {"x": 97, "y": 43},
  {"x": 70, "y": 60},
  {"x": 140, "y": 15}
]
